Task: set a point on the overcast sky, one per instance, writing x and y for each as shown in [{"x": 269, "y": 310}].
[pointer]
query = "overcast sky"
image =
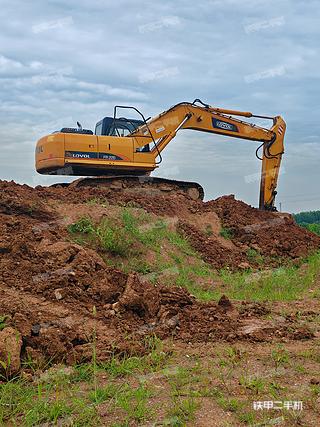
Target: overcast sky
[{"x": 62, "y": 61}]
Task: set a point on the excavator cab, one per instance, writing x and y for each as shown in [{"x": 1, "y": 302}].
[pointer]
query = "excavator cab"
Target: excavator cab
[
  {"x": 116, "y": 127},
  {"x": 110, "y": 150}
]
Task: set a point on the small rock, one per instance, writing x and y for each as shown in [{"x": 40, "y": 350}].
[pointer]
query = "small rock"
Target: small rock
[
  {"x": 56, "y": 371},
  {"x": 244, "y": 265},
  {"x": 115, "y": 306},
  {"x": 58, "y": 294},
  {"x": 4, "y": 250},
  {"x": 35, "y": 330},
  {"x": 225, "y": 302},
  {"x": 173, "y": 322},
  {"x": 314, "y": 381},
  {"x": 27, "y": 376}
]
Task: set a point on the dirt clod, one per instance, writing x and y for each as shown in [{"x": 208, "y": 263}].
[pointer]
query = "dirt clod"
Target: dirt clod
[
  {"x": 225, "y": 302},
  {"x": 10, "y": 349}
]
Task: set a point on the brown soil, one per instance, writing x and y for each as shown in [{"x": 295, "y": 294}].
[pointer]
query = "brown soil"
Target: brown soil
[
  {"x": 58, "y": 294},
  {"x": 271, "y": 234}
]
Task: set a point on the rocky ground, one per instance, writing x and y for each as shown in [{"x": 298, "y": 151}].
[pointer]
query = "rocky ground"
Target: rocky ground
[{"x": 59, "y": 294}]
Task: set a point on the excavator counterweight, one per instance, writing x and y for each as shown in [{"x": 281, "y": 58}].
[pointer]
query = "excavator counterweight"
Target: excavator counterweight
[{"x": 122, "y": 153}]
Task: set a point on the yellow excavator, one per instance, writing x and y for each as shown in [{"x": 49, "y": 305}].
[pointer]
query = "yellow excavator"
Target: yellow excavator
[{"x": 122, "y": 152}]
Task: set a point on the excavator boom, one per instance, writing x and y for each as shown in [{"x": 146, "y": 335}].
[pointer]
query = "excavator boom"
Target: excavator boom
[{"x": 134, "y": 147}]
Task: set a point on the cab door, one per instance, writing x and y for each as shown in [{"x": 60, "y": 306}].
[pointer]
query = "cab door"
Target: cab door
[
  {"x": 115, "y": 148},
  {"x": 81, "y": 147}
]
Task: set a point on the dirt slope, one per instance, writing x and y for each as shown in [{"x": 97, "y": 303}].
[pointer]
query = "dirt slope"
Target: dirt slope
[{"x": 58, "y": 294}]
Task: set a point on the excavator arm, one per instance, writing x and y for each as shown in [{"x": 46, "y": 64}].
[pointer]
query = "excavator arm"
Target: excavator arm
[{"x": 161, "y": 129}]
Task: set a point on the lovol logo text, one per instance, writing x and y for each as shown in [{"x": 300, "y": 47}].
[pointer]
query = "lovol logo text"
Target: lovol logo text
[
  {"x": 219, "y": 124},
  {"x": 224, "y": 125},
  {"x": 81, "y": 156}
]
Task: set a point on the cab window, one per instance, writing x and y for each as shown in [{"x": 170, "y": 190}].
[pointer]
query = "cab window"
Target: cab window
[{"x": 99, "y": 128}]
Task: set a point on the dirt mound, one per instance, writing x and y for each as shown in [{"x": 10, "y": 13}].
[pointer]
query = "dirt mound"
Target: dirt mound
[
  {"x": 58, "y": 294},
  {"x": 159, "y": 204},
  {"x": 271, "y": 234},
  {"x": 250, "y": 236},
  {"x": 22, "y": 200},
  {"x": 120, "y": 312},
  {"x": 210, "y": 248}
]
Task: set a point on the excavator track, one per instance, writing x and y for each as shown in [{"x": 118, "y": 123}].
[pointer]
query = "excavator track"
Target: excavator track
[{"x": 151, "y": 186}]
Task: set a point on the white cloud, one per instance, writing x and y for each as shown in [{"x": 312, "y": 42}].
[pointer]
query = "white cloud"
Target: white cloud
[
  {"x": 52, "y": 25},
  {"x": 66, "y": 61},
  {"x": 8, "y": 65}
]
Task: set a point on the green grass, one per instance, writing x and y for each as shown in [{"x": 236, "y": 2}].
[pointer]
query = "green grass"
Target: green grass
[
  {"x": 3, "y": 320},
  {"x": 181, "y": 243},
  {"x": 98, "y": 201},
  {"x": 313, "y": 355},
  {"x": 135, "y": 233},
  {"x": 280, "y": 356},
  {"x": 182, "y": 411},
  {"x": 254, "y": 257},
  {"x": 255, "y": 384},
  {"x": 124, "y": 237},
  {"x": 114, "y": 239},
  {"x": 226, "y": 233},
  {"x": 230, "y": 404},
  {"x": 314, "y": 228},
  {"x": 188, "y": 278},
  {"x": 132, "y": 400},
  {"x": 183, "y": 383},
  {"x": 29, "y": 405},
  {"x": 130, "y": 238},
  {"x": 145, "y": 391},
  {"x": 117, "y": 368},
  {"x": 83, "y": 225},
  {"x": 282, "y": 284},
  {"x": 58, "y": 394}
]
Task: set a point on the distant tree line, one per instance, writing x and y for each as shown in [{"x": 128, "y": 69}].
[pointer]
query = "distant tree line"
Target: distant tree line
[
  {"x": 309, "y": 220},
  {"x": 311, "y": 217}
]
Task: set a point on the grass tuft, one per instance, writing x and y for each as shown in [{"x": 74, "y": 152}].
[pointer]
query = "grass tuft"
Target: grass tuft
[{"x": 226, "y": 233}]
